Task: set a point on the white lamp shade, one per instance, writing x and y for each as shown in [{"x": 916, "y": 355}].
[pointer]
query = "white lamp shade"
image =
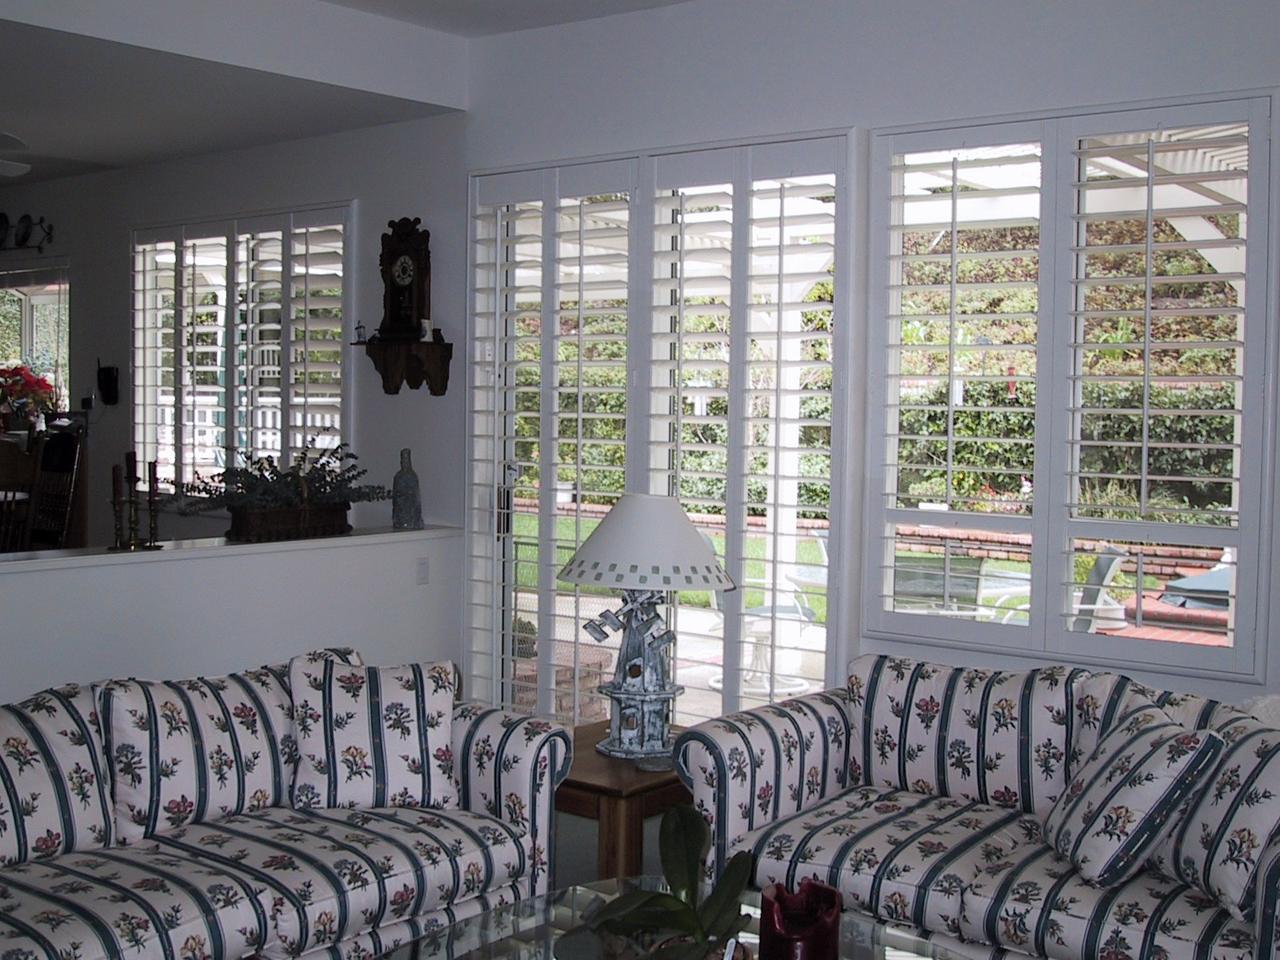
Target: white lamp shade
[{"x": 647, "y": 543}]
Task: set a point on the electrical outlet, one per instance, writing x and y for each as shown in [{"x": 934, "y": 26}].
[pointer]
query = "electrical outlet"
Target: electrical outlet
[{"x": 424, "y": 571}]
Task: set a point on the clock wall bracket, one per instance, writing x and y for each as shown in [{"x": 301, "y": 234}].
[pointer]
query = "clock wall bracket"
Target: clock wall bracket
[{"x": 406, "y": 348}]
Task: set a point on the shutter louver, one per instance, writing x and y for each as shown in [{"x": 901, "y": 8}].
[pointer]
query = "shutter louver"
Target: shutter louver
[
  {"x": 155, "y": 305},
  {"x": 259, "y": 344},
  {"x": 203, "y": 360},
  {"x": 315, "y": 338}
]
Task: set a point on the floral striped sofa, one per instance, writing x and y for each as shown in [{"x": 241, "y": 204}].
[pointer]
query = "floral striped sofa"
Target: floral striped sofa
[
  {"x": 960, "y": 803},
  {"x": 145, "y": 819}
]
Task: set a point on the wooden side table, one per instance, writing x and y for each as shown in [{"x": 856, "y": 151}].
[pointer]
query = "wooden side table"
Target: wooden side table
[{"x": 619, "y": 797}]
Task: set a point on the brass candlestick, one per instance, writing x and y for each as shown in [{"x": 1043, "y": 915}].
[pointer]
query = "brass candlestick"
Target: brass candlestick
[{"x": 121, "y": 501}]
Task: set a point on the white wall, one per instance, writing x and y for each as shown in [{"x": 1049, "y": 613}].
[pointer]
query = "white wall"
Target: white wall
[{"x": 212, "y": 610}]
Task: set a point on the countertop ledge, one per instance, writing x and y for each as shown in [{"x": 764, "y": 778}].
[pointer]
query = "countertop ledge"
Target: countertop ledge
[{"x": 207, "y": 548}]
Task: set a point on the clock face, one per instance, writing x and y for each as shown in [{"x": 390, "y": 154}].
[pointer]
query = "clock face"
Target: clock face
[{"x": 402, "y": 270}]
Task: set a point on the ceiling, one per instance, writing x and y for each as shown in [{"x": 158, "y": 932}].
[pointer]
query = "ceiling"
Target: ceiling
[
  {"x": 83, "y": 104},
  {"x": 474, "y": 18}
]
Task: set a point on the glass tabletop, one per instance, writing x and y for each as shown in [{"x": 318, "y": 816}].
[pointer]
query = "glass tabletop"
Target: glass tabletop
[{"x": 529, "y": 930}]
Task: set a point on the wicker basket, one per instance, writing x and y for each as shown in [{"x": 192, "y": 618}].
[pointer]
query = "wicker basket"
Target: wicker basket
[{"x": 288, "y": 523}]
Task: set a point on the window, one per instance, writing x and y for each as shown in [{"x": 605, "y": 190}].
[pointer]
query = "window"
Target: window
[
  {"x": 34, "y": 325},
  {"x": 663, "y": 324},
  {"x": 238, "y": 341},
  {"x": 1063, "y": 348}
]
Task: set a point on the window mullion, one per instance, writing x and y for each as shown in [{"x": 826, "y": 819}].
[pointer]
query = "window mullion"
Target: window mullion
[
  {"x": 548, "y": 449},
  {"x": 179, "y": 356}
]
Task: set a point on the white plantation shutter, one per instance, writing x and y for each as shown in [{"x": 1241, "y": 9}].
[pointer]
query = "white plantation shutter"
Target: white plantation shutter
[
  {"x": 259, "y": 341},
  {"x": 1165, "y": 461},
  {"x": 155, "y": 306},
  {"x": 1065, "y": 349},
  {"x": 788, "y": 424},
  {"x": 959, "y": 344},
  {"x": 202, "y": 361},
  {"x": 608, "y": 320},
  {"x": 225, "y": 318},
  {"x": 314, "y": 374}
]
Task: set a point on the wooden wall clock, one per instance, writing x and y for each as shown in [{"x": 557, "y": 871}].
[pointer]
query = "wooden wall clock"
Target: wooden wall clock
[
  {"x": 405, "y": 263},
  {"x": 406, "y": 349}
]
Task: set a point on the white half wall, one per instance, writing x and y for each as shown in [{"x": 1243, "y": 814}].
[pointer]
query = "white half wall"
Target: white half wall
[{"x": 208, "y": 610}]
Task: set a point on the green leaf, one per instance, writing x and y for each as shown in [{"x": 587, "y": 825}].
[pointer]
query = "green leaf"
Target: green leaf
[
  {"x": 580, "y": 944},
  {"x": 661, "y": 912},
  {"x": 722, "y": 907},
  {"x": 620, "y": 907},
  {"x": 683, "y": 841}
]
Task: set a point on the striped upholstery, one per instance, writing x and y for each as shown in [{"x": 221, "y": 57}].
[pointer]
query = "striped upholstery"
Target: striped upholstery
[
  {"x": 750, "y": 769},
  {"x": 1118, "y": 806},
  {"x": 985, "y": 735},
  {"x": 509, "y": 767},
  {"x": 1220, "y": 842},
  {"x": 373, "y": 736},
  {"x": 900, "y": 856},
  {"x": 193, "y": 751},
  {"x": 334, "y": 874},
  {"x": 1037, "y": 903},
  {"x": 1266, "y": 927},
  {"x": 139, "y": 902},
  {"x": 54, "y": 783}
]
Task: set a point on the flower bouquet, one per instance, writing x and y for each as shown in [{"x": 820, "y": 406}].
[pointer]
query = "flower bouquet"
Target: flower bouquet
[{"x": 23, "y": 396}]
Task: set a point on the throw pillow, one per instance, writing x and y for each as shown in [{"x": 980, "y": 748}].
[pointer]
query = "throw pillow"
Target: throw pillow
[
  {"x": 1120, "y": 804},
  {"x": 199, "y": 750},
  {"x": 54, "y": 785},
  {"x": 1226, "y": 827},
  {"x": 374, "y": 736}
]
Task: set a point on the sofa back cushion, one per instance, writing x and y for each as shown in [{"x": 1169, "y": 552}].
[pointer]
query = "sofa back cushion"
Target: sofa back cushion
[
  {"x": 1222, "y": 834},
  {"x": 54, "y": 784},
  {"x": 1121, "y": 801},
  {"x": 374, "y": 736},
  {"x": 199, "y": 750},
  {"x": 985, "y": 735}
]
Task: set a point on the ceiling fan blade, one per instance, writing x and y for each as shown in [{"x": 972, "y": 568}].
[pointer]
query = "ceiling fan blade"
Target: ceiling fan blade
[
  {"x": 9, "y": 142},
  {"x": 12, "y": 168}
]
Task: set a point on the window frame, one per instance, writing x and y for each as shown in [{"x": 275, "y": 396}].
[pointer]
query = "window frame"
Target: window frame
[
  {"x": 1047, "y": 637},
  {"x": 230, "y": 231}
]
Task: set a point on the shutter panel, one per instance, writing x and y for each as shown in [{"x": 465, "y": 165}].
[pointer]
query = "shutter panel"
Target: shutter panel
[
  {"x": 315, "y": 337},
  {"x": 689, "y": 415},
  {"x": 155, "y": 304},
  {"x": 1160, "y": 250},
  {"x": 259, "y": 339},
  {"x": 788, "y": 414},
  {"x": 202, "y": 363},
  {"x": 964, "y": 247}
]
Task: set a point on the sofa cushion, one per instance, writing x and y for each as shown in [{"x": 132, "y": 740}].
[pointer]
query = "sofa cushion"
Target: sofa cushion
[
  {"x": 1036, "y": 902},
  {"x": 129, "y": 902},
  {"x": 984, "y": 735},
  {"x": 1120, "y": 803},
  {"x": 374, "y": 736},
  {"x": 333, "y": 874},
  {"x": 1228, "y": 825},
  {"x": 901, "y": 856},
  {"x": 54, "y": 784},
  {"x": 192, "y": 751}
]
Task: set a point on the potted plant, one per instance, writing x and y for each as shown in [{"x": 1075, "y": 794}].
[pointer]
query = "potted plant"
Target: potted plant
[
  {"x": 23, "y": 397},
  {"x": 680, "y": 925},
  {"x": 309, "y": 498}
]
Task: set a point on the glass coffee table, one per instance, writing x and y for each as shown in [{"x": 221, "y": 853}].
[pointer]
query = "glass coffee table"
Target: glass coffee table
[{"x": 529, "y": 930}]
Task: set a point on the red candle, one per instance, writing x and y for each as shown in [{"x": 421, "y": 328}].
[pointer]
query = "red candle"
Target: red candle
[
  {"x": 131, "y": 468},
  {"x": 151, "y": 478},
  {"x": 117, "y": 483},
  {"x": 804, "y": 925}
]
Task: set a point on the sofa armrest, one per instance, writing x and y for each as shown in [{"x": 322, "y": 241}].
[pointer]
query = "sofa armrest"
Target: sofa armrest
[
  {"x": 509, "y": 765},
  {"x": 1266, "y": 900},
  {"x": 749, "y": 769}
]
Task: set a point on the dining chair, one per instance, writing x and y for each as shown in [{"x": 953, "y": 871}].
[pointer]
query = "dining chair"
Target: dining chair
[
  {"x": 59, "y": 468},
  {"x": 19, "y": 481}
]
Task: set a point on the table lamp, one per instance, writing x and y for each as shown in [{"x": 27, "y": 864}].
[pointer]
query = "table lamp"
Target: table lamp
[{"x": 645, "y": 547}]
